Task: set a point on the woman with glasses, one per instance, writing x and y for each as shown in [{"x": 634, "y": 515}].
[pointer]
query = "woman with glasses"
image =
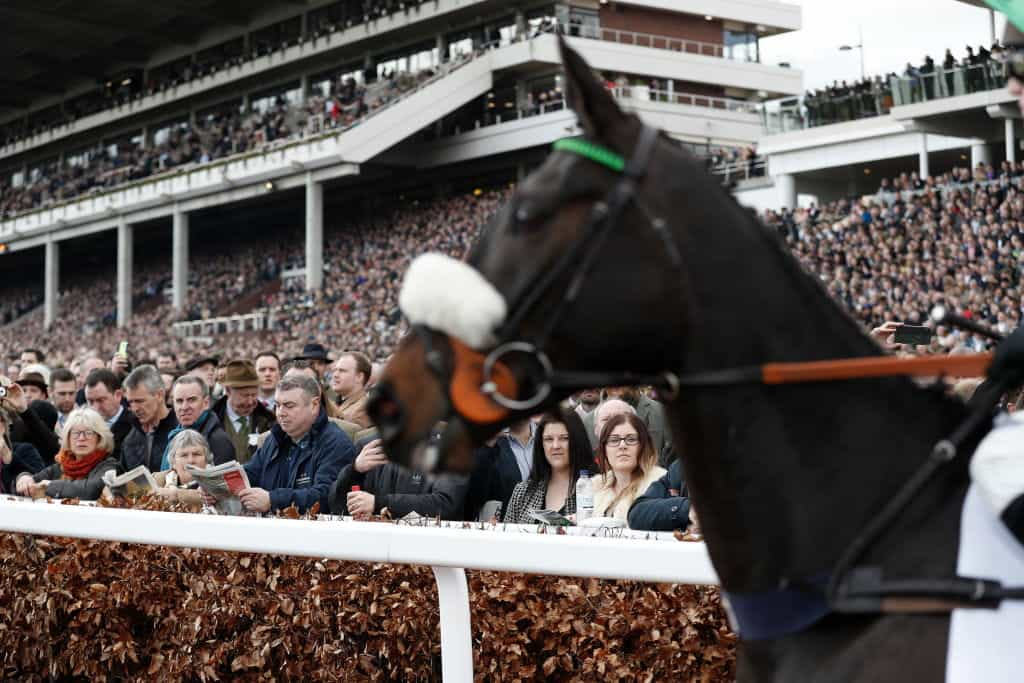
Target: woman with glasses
[
  {"x": 188, "y": 447},
  {"x": 629, "y": 465},
  {"x": 560, "y": 451},
  {"x": 84, "y": 457}
]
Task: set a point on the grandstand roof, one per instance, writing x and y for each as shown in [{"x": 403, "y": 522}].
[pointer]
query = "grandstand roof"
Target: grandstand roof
[{"x": 49, "y": 45}]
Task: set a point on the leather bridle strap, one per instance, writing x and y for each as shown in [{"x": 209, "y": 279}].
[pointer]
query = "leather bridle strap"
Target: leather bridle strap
[{"x": 604, "y": 217}]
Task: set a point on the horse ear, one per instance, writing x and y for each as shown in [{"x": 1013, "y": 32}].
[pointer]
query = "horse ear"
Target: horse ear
[{"x": 594, "y": 106}]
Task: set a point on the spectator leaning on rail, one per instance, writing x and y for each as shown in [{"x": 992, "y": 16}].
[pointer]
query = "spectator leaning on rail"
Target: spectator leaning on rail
[
  {"x": 629, "y": 465},
  {"x": 303, "y": 455},
  {"x": 154, "y": 421},
  {"x": 386, "y": 486},
  {"x": 244, "y": 418},
  {"x": 664, "y": 506},
  {"x": 561, "y": 451},
  {"x": 85, "y": 456},
  {"x": 188, "y": 447}
]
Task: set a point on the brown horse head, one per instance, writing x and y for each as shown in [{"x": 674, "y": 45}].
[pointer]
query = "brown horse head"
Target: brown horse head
[{"x": 526, "y": 263}]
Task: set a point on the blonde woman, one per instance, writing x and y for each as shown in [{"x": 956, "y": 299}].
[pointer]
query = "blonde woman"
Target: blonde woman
[
  {"x": 84, "y": 457},
  {"x": 629, "y": 464},
  {"x": 188, "y": 447}
]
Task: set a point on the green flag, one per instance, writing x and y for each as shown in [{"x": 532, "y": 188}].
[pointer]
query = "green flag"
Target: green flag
[{"x": 1013, "y": 9}]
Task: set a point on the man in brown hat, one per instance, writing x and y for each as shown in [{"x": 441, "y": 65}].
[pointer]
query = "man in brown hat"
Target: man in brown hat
[
  {"x": 240, "y": 411},
  {"x": 34, "y": 385}
]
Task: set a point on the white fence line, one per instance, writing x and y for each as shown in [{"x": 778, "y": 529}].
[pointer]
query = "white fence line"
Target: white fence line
[{"x": 447, "y": 550}]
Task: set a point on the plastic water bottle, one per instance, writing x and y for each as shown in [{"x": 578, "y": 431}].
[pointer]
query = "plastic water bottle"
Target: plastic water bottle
[{"x": 584, "y": 497}]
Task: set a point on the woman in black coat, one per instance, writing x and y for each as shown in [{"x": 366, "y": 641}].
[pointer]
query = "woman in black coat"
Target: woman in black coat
[{"x": 15, "y": 458}]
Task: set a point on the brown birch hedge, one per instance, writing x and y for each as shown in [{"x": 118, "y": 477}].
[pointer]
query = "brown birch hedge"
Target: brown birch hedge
[{"x": 73, "y": 609}]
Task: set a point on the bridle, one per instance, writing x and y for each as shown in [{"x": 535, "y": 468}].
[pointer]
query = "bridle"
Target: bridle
[{"x": 849, "y": 588}]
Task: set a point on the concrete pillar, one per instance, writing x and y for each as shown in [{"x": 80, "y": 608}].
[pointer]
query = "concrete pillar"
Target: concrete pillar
[
  {"x": 145, "y": 137},
  {"x": 521, "y": 26},
  {"x": 1011, "y": 140},
  {"x": 785, "y": 185},
  {"x": 125, "y": 264},
  {"x": 304, "y": 86},
  {"x": 179, "y": 259},
  {"x": 51, "y": 279},
  {"x": 991, "y": 27},
  {"x": 980, "y": 153},
  {"x": 442, "y": 48},
  {"x": 922, "y": 156},
  {"x": 314, "y": 234}
]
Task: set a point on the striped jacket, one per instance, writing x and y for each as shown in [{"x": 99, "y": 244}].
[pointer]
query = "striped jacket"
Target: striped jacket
[{"x": 529, "y": 496}]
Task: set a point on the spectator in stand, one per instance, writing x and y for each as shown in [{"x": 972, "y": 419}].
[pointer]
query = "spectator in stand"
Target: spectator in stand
[
  {"x": 85, "y": 456},
  {"x": 268, "y": 367},
  {"x": 15, "y": 458},
  {"x": 243, "y": 416},
  {"x": 191, "y": 399},
  {"x": 63, "y": 394},
  {"x": 153, "y": 424},
  {"x": 87, "y": 365},
  {"x": 629, "y": 465},
  {"x": 167, "y": 361},
  {"x": 104, "y": 395},
  {"x": 33, "y": 384},
  {"x": 316, "y": 356},
  {"x": 188, "y": 447},
  {"x": 26, "y": 425},
  {"x": 302, "y": 458},
  {"x": 390, "y": 489},
  {"x": 32, "y": 357},
  {"x": 349, "y": 377},
  {"x": 587, "y": 401},
  {"x": 605, "y": 411},
  {"x": 205, "y": 368},
  {"x": 561, "y": 451}
]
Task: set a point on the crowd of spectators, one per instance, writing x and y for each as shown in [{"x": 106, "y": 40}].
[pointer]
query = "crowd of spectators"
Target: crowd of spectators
[
  {"x": 875, "y": 96},
  {"x": 216, "y": 135},
  {"x": 128, "y": 87},
  {"x": 210, "y": 403},
  {"x": 956, "y": 239}
]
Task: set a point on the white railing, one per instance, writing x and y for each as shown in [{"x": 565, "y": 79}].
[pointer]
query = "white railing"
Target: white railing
[
  {"x": 255, "y": 321},
  {"x": 651, "y": 40},
  {"x": 447, "y": 549},
  {"x": 641, "y": 93}
]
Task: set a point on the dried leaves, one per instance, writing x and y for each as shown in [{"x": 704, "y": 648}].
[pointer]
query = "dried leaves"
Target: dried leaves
[{"x": 112, "y": 611}]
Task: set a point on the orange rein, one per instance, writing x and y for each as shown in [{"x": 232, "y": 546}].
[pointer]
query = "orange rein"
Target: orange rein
[{"x": 966, "y": 365}]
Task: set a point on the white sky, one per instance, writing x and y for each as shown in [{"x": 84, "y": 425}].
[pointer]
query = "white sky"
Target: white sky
[{"x": 895, "y": 32}]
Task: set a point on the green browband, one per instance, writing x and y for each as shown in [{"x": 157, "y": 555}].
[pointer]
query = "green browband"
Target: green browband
[{"x": 592, "y": 151}]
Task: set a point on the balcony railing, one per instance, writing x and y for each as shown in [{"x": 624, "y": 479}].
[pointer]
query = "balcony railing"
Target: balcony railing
[{"x": 882, "y": 95}]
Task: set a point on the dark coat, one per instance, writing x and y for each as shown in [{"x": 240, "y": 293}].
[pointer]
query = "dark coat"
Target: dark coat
[
  {"x": 494, "y": 477},
  {"x": 121, "y": 429},
  {"x": 210, "y": 427},
  {"x": 402, "y": 491},
  {"x": 262, "y": 421},
  {"x": 133, "y": 448},
  {"x": 664, "y": 506},
  {"x": 89, "y": 488},
  {"x": 30, "y": 428},
  {"x": 301, "y": 474},
  {"x": 24, "y": 460}
]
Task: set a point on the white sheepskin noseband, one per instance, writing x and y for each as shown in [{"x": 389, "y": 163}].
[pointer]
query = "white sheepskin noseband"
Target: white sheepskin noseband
[{"x": 453, "y": 297}]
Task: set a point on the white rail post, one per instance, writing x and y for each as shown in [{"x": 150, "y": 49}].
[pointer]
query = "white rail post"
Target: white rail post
[{"x": 456, "y": 627}]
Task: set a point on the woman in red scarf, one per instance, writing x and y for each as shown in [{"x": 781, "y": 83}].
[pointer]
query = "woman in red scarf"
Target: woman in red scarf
[{"x": 84, "y": 457}]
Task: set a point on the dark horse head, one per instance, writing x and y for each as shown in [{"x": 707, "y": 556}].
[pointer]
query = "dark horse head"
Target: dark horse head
[{"x": 683, "y": 280}]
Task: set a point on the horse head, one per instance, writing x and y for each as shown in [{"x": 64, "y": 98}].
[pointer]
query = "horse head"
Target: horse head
[{"x": 555, "y": 284}]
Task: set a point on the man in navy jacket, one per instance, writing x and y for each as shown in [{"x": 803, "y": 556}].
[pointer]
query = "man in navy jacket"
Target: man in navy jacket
[
  {"x": 664, "y": 506},
  {"x": 303, "y": 455}
]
